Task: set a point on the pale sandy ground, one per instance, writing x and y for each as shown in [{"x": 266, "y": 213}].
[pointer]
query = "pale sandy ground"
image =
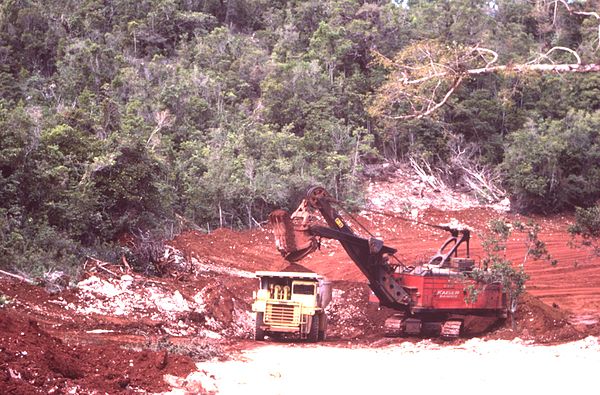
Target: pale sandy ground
[{"x": 475, "y": 367}]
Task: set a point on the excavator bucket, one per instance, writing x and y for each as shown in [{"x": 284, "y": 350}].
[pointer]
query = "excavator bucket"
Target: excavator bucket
[{"x": 292, "y": 237}]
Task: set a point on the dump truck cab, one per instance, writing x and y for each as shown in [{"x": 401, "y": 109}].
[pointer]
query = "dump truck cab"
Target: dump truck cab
[{"x": 292, "y": 304}]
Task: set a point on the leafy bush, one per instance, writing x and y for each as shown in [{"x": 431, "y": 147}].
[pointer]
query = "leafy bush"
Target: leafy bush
[
  {"x": 498, "y": 269},
  {"x": 587, "y": 222},
  {"x": 38, "y": 249},
  {"x": 554, "y": 165},
  {"x": 586, "y": 229}
]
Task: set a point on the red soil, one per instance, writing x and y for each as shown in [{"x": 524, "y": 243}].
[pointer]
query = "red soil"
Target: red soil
[
  {"x": 46, "y": 348},
  {"x": 35, "y": 362},
  {"x": 563, "y": 301}
]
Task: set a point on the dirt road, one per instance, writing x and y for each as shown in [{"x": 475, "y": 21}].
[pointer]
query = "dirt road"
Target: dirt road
[{"x": 476, "y": 366}]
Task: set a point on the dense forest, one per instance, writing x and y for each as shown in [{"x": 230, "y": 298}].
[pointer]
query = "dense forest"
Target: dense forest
[{"x": 141, "y": 117}]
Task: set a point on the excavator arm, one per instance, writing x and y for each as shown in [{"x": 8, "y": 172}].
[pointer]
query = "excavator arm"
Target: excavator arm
[{"x": 297, "y": 235}]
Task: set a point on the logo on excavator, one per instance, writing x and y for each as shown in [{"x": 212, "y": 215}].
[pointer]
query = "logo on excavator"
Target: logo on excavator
[
  {"x": 446, "y": 293},
  {"x": 339, "y": 223}
]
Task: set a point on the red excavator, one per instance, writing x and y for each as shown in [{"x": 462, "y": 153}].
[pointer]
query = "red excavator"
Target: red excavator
[{"x": 429, "y": 298}]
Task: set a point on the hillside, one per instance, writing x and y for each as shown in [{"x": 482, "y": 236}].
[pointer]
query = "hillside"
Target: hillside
[
  {"x": 152, "y": 116},
  {"x": 143, "y": 145},
  {"x": 119, "y": 331}
]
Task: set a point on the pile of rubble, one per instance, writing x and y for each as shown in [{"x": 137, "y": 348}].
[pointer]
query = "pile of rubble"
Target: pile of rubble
[
  {"x": 206, "y": 308},
  {"x": 350, "y": 314},
  {"x": 418, "y": 191},
  {"x": 33, "y": 361}
]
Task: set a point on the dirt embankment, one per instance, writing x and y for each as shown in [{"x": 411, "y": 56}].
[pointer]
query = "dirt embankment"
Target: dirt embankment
[{"x": 35, "y": 362}]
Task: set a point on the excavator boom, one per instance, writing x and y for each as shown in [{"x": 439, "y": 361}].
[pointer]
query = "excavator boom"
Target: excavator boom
[{"x": 297, "y": 236}]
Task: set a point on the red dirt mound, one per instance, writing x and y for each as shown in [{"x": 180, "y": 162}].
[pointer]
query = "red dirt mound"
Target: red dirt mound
[
  {"x": 250, "y": 250},
  {"x": 34, "y": 362},
  {"x": 297, "y": 268},
  {"x": 535, "y": 320}
]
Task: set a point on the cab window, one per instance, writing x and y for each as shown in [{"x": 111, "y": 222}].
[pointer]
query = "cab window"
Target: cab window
[{"x": 304, "y": 289}]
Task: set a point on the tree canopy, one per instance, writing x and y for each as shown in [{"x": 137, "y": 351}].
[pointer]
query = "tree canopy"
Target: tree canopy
[{"x": 121, "y": 117}]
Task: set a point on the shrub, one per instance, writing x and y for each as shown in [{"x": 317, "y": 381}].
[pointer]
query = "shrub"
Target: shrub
[
  {"x": 498, "y": 269},
  {"x": 554, "y": 165},
  {"x": 585, "y": 231}
]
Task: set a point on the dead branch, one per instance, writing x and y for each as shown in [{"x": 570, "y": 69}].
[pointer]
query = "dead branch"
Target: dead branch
[
  {"x": 162, "y": 119},
  {"x": 426, "y": 175},
  {"x": 425, "y": 75},
  {"x": 525, "y": 68},
  {"x": 107, "y": 270},
  {"x": 432, "y": 105},
  {"x": 479, "y": 181},
  {"x": 489, "y": 51},
  {"x": 545, "y": 56},
  {"x": 584, "y": 13},
  {"x": 422, "y": 103},
  {"x": 126, "y": 264},
  {"x": 22, "y": 278}
]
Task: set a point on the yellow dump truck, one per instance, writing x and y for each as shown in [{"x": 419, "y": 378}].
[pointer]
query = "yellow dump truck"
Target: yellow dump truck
[{"x": 292, "y": 304}]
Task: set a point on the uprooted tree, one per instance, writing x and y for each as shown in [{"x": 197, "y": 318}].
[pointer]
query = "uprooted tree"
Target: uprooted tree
[
  {"x": 472, "y": 97},
  {"x": 423, "y": 76}
]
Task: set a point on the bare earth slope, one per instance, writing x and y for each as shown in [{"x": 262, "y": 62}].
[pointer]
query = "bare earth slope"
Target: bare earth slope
[{"x": 122, "y": 332}]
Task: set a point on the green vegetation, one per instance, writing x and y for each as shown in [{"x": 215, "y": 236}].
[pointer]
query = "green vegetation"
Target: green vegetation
[
  {"x": 585, "y": 231},
  {"x": 496, "y": 268},
  {"x": 555, "y": 164},
  {"x": 131, "y": 117}
]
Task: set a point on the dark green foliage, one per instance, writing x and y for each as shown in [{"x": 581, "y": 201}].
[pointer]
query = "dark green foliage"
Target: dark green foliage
[
  {"x": 133, "y": 191},
  {"x": 555, "y": 164},
  {"x": 464, "y": 21},
  {"x": 586, "y": 229},
  {"x": 118, "y": 117},
  {"x": 587, "y": 222},
  {"x": 37, "y": 249}
]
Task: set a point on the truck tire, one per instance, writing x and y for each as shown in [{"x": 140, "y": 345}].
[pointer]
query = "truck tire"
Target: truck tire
[
  {"x": 313, "y": 335},
  {"x": 323, "y": 329},
  {"x": 259, "y": 333}
]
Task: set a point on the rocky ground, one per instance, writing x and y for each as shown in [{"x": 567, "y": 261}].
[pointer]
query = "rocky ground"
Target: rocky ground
[{"x": 116, "y": 331}]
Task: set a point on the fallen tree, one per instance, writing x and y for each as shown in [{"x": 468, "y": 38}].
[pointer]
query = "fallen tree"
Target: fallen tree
[{"x": 423, "y": 76}]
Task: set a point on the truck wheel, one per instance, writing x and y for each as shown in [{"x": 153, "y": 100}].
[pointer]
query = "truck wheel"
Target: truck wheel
[
  {"x": 259, "y": 333},
  {"x": 323, "y": 330},
  {"x": 313, "y": 335}
]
